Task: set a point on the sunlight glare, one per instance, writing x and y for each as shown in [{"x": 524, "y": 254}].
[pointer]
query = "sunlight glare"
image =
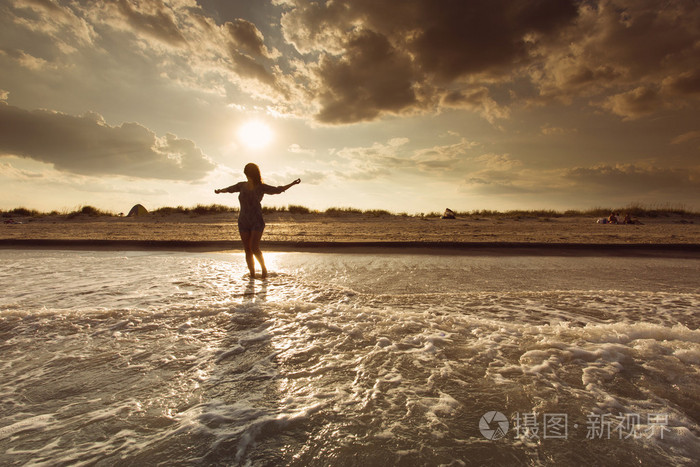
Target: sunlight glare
[{"x": 255, "y": 134}]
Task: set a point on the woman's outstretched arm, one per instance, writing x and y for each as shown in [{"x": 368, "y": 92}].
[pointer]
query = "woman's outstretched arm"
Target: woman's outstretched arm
[
  {"x": 288, "y": 186},
  {"x": 231, "y": 189},
  {"x": 276, "y": 190}
]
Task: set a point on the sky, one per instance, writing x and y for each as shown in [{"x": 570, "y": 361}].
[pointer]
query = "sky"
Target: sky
[{"x": 406, "y": 105}]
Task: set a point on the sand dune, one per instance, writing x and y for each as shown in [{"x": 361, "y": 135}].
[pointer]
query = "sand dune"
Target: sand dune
[{"x": 301, "y": 228}]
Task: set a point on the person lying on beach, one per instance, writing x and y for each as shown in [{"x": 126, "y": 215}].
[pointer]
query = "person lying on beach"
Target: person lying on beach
[
  {"x": 628, "y": 220},
  {"x": 612, "y": 219},
  {"x": 250, "y": 219}
]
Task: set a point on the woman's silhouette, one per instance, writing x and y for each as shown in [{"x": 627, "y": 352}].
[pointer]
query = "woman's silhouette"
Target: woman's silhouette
[{"x": 250, "y": 219}]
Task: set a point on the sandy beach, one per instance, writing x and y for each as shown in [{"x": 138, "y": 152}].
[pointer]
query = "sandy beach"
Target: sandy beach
[{"x": 298, "y": 230}]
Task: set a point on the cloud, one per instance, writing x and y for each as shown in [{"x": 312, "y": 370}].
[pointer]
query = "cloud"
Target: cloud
[
  {"x": 297, "y": 149},
  {"x": 482, "y": 37},
  {"x": 633, "y": 179},
  {"x": 497, "y": 162},
  {"x": 247, "y": 52},
  {"x": 64, "y": 29},
  {"x": 312, "y": 177},
  {"x": 442, "y": 158},
  {"x": 550, "y": 130},
  {"x": 234, "y": 52},
  {"x": 448, "y": 41},
  {"x": 499, "y": 175},
  {"x": 628, "y": 57},
  {"x": 477, "y": 100},
  {"x": 308, "y": 177},
  {"x": 370, "y": 78},
  {"x": 152, "y": 18},
  {"x": 87, "y": 145},
  {"x": 248, "y": 67},
  {"x": 397, "y": 56},
  {"x": 306, "y": 25},
  {"x": 637, "y": 56},
  {"x": 349, "y": 61},
  {"x": 26, "y": 60},
  {"x": 11, "y": 172},
  {"x": 170, "y": 40},
  {"x": 685, "y": 84},
  {"x": 685, "y": 137},
  {"x": 634, "y": 104},
  {"x": 247, "y": 37},
  {"x": 369, "y": 162},
  {"x": 381, "y": 159},
  {"x": 492, "y": 187}
]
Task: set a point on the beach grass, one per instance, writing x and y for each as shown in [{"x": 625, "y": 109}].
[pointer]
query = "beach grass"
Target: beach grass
[{"x": 633, "y": 209}]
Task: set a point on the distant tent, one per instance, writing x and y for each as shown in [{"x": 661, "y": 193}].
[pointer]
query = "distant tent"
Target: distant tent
[
  {"x": 137, "y": 210},
  {"x": 449, "y": 214}
]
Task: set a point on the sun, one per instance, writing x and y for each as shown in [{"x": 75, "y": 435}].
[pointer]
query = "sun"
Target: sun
[{"x": 255, "y": 134}]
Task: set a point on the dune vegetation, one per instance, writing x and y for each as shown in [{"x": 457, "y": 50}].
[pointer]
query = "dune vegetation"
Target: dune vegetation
[{"x": 635, "y": 210}]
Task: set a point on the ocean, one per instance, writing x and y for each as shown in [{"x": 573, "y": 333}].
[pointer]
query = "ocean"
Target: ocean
[{"x": 170, "y": 358}]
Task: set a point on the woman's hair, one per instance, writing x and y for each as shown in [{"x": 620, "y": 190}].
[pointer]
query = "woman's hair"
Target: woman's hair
[{"x": 252, "y": 171}]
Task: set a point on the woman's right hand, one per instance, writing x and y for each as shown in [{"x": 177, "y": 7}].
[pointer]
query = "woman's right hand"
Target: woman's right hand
[{"x": 217, "y": 191}]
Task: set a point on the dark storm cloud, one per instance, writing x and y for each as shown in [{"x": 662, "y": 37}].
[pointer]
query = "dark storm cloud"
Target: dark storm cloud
[
  {"x": 371, "y": 77},
  {"x": 449, "y": 38},
  {"x": 619, "y": 51},
  {"x": 630, "y": 49},
  {"x": 392, "y": 56},
  {"x": 458, "y": 38},
  {"x": 87, "y": 145}
]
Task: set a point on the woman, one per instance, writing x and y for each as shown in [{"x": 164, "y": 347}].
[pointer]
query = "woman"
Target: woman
[{"x": 250, "y": 220}]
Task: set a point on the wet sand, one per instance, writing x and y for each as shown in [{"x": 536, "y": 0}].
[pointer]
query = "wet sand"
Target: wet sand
[{"x": 295, "y": 232}]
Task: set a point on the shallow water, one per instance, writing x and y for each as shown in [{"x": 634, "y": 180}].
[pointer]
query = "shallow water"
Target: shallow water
[{"x": 177, "y": 359}]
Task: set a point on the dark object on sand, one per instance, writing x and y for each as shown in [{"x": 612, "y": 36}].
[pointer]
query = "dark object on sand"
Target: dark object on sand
[
  {"x": 137, "y": 210},
  {"x": 449, "y": 214}
]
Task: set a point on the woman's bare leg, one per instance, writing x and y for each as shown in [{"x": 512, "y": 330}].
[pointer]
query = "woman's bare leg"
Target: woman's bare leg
[
  {"x": 255, "y": 247},
  {"x": 246, "y": 237}
]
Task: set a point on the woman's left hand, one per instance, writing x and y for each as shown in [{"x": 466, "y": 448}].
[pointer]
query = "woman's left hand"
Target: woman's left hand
[{"x": 297, "y": 181}]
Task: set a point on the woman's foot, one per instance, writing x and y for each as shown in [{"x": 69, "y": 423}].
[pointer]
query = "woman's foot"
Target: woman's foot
[{"x": 263, "y": 274}]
